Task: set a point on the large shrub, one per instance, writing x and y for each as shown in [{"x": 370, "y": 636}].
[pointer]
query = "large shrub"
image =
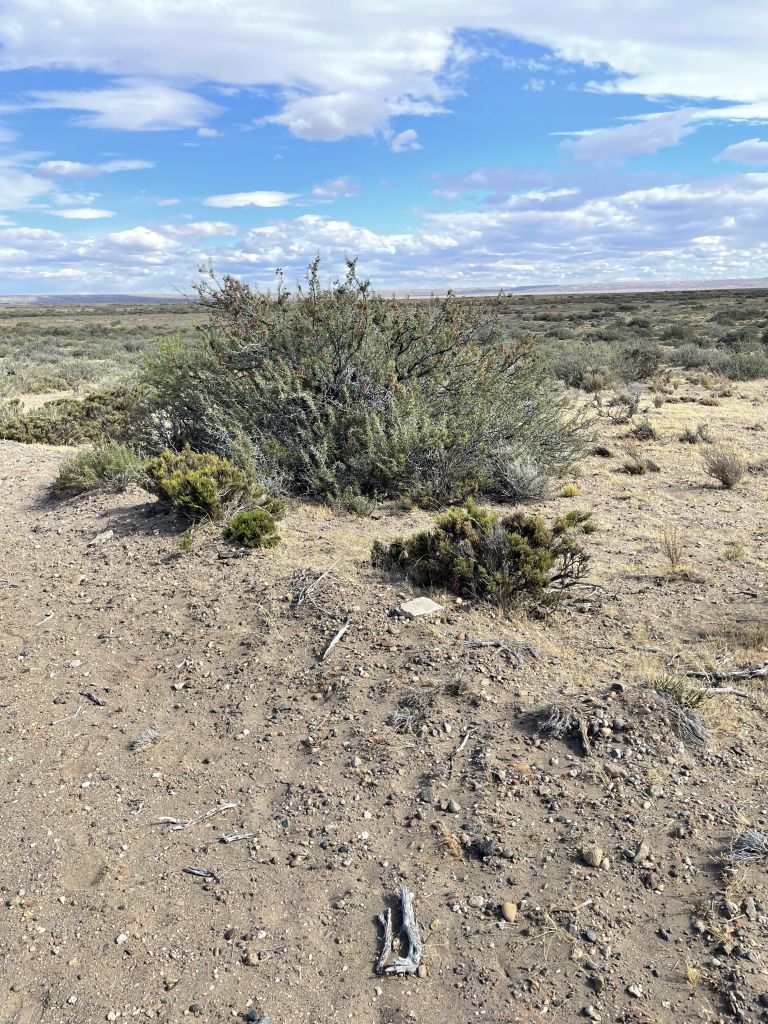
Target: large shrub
[
  {"x": 471, "y": 552},
  {"x": 344, "y": 391}
]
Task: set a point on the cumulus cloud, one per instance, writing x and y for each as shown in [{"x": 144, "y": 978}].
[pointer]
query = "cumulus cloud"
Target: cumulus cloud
[
  {"x": 130, "y": 105},
  {"x": 201, "y": 229},
  {"x": 751, "y": 152},
  {"x": 707, "y": 229},
  {"x": 341, "y": 187},
  {"x": 260, "y": 198},
  {"x": 349, "y": 69},
  {"x": 639, "y": 138},
  {"x": 405, "y": 142}
]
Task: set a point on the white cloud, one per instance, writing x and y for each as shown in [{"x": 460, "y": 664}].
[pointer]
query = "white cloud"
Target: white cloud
[
  {"x": 751, "y": 152},
  {"x": 639, "y": 138},
  {"x": 261, "y": 198},
  {"x": 168, "y": 202},
  {"x": 84, "y": 213},
  {"x": 75, "y": 169},
  {"x": 208, "y": 133},
  {"x": 348, "y": 69},
  {"x": 131, "y": 105},
  {"x": 405, "y": 141},
  {"x": 342, "y": 186},
  {"x": 66, "y": 169},
  {"x": 201, "y": 229},
  {"x": 18, "y": 189},
  {"x": 114, "y": 166},
  {"x": 710, "y": 229}
]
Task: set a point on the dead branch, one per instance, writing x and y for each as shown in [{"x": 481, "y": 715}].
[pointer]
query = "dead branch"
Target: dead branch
[
  {"x": 181, "y": 823},
  {"x": 751, "y": 672},
  {"x": 385, "y": 920},
  {"x": 408, "y": 964},
  {"x": 335, "y": 640}
]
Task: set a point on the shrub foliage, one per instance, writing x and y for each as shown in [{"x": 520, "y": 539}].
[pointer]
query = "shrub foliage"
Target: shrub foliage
[
  {"x": 201, "y": 485},
  {"x": 344, "y": 391},
  {"x": 253, "y": 528},
  {"x": 108, "y": 466},
  {"x": 472, "y": 552}
]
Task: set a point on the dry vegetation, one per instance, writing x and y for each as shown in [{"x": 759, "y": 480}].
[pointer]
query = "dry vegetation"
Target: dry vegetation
[{"x": 574, "y": 790}]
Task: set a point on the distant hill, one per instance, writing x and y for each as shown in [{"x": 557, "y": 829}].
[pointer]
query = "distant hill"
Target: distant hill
[{"x": 586, "y": 288}]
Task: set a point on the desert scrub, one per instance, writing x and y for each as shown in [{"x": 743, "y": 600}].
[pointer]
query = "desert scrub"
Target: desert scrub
[
  {"x": 342, "y": 390},
  {"x": 472, "y": 552},
  {"x": 101, "y": 415},
  {"x": 570, "y": 491},
  {"x": 204, "y": 486},
  {"x": 725, "y": 464},
  {"x": 109, "y": 466},
  {"x": 254, "y": 528}
]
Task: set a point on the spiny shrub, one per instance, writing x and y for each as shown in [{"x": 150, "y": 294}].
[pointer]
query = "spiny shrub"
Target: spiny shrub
[
  {"x": 204, "y": 486},
  {"x": 339, "y": 388},
  {"x": 725, "y": 464},
  {"x": 471, "y": 552},
  {"x": 108, "y": 466},
  {"x": 99, "y": 416},
  {"x": 253, "y": 528},
  {"x": 520, "y": 477}
]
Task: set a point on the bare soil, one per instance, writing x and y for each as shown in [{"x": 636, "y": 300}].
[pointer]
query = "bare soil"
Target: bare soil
[{"x": 210, "y": 656}]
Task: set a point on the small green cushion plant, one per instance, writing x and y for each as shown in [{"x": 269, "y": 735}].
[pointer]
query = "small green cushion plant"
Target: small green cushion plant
[
  {"x": 199, "y": 485},
  {"x": 472, "y": 552},
  {"x": 254, "y": 528}
]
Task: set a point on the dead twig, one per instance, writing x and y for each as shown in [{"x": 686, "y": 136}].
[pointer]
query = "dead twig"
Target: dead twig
[
  {"x": 751, "y": 672},
  {"x": 76, "y": 714},
  {"x": 202, "y": 873},
  {"x": 408, "y": 964},
  {"x": 236, "y": 837},
  {"x": 177, "y": 824},
  {"x": 501, "y": 646},
  {"x": 335, "y": 640},
  {"x": 385, "y": 920}
]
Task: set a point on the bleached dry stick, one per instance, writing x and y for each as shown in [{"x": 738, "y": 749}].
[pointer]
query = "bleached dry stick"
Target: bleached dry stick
[
  {"x": 408, "y": 964},
  {"x": 180, "y": 823},
  {"x": 385, "y": 920},
  {"x": 335, "y": 640}
]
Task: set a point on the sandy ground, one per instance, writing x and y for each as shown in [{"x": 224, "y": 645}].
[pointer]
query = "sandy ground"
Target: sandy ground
[{"x": 213, "y": 658}]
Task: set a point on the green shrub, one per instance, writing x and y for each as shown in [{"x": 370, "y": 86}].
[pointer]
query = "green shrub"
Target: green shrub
[
  {"x": 204, "y": 486},
  {"x": 254, "y": 528},
  {"x": 99, "y": 416},
  {"x": 108, "y": 466},
  {"x": 471, "y": 552},
  {"x": 342, "y": 390}
]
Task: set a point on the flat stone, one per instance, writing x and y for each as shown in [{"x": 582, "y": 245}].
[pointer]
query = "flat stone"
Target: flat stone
[
  {"x": 101, "y": 538},
  {"x": 420, "y": 606}
]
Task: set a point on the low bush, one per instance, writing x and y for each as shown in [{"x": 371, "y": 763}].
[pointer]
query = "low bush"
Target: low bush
[
  {"x": 253, "y": 528},
  {"x": 645, "y": 431},
  {"x": 694, "y": 435},
  {"x": 103, "y": 415},
  {"x": 725, "y": 464},
  {"x": 204, "y": 486},
  {"x": 520, "y": 477},
  {"x": 472, "y": 552},
  {"x": 108, "y": 466}
]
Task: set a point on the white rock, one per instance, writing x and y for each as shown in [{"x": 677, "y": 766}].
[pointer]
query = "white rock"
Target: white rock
[{"x": 420, "y": 606}]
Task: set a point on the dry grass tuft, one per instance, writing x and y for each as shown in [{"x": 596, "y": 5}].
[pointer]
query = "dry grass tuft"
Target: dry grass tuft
[{"x": 724, "y": 463}]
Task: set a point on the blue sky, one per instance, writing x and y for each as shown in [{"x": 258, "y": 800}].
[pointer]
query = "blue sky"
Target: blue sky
[{"x": 502, "y": 143}]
